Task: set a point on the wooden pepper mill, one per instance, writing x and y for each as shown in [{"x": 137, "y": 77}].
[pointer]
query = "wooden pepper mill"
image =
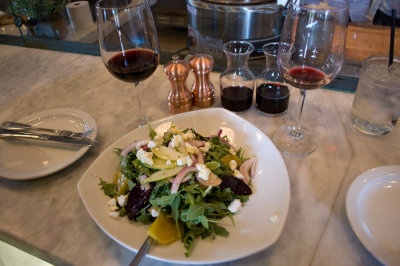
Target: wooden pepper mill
[
  {"x": 202, "y": 90},
  {"x": 179, "y": 97}
]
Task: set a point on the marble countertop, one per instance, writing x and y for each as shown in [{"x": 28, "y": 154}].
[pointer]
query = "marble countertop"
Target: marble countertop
[{"x": 48, "y": 215}]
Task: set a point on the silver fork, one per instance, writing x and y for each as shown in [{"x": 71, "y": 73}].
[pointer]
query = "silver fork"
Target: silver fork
[{"x": 59, "y": 132}]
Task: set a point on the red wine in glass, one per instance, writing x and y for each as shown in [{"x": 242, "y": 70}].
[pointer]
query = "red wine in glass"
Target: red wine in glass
[
  {"x": 133, "y": 65},
  {"x": 310, "y": 54},
  {"x": 236, "y": 98},
  {"x": 272, "y": 98},
  {"x": 128, "y": 43},
  {"x": 307, "y": 78}
]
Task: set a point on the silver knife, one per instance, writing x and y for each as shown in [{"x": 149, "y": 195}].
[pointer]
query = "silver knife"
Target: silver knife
[
  {"x": 13, "y": 134},
  {"x": 26, "y": 127}
]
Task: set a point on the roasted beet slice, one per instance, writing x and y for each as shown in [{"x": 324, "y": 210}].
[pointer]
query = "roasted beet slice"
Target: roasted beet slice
[
  {"x": 238, "y": 186},
  {"x": 137, "y": 198}
]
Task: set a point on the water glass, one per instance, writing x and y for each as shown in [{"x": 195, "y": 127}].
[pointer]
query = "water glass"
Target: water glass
[{"x": 376, "y": 104}]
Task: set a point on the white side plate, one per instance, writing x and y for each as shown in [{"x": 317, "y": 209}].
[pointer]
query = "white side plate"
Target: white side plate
[
  {"x": 22, "y": 160},
  {"x": 257, "y": 226},
  {"x": 373, "y": 209}
]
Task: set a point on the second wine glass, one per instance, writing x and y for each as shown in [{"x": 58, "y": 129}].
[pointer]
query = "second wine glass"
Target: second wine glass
[
  {"x": 310, "y": 55},
  {"x": 128, "y": 42}
]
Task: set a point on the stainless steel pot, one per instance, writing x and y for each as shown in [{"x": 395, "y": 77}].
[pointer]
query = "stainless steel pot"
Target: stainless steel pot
[
  {"x": 236, "y": 2},
  {"x": 211, "y": 24}
]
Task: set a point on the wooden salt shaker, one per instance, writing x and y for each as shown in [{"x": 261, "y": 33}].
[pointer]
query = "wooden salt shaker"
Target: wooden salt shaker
[
  {"x": 202, "y": 90},
  {"x": 179, "y": 97}
]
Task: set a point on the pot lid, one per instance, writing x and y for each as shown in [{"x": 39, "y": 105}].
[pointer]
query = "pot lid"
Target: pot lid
[{"x": 238, "y": 2}]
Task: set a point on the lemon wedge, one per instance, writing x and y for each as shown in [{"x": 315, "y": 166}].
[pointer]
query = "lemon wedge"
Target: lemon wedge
[{"x": 163, "y": 229}]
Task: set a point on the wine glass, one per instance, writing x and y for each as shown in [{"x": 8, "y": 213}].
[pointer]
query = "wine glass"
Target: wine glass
[
  {"x": 310, "y": 55},
  {"x": 128, "y": 42}
]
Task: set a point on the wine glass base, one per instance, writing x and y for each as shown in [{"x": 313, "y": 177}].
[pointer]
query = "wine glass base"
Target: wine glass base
[
  {"x": 136, "y": 124},
  {"x": 295, "y": 142}
]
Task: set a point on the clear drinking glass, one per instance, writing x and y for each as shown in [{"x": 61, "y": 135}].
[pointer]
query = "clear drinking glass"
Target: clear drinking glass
[
  {"x": 128, "y": 42},
  {"x": 272, "y": 94},
  {"x": 316, "y": 33},
  {"x": 376, "y": 104},
  {"x": 237, "y": 81}
]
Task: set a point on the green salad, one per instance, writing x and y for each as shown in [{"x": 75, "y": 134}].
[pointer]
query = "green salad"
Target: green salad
[{"x": 192, "y": 180}]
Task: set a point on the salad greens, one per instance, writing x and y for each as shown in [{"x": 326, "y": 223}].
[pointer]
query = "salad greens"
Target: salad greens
[{"x": 209, "y": 184}]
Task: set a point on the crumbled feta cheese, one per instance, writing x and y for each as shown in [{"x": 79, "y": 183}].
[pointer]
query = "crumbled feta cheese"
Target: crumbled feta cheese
[
  {"x": 114, "y": 215},
  {"x": 154, "y": 211},
  {"x": 206, "y": 147},
  {"x": 176, "y": 141},
  {"x": 232, "y": 165},
  {"x": 188, "y": 135},
  {"x": 191, "y": 149},
  {"x": 122, "y": 200},
  {"x": 141, "y": 143},
  {"x": 144, "y": 156},
  {"x": 151, "y": 144},
  {"x": 189, "y": 161},
  {"x": 112, "y": 202},
  {"x": 168, "y": 162},
  {"x": 238, "y": 175},
  {"x": 203, "y": 171},
  {"x": 182, "y": 161},
  {"x": 113, "y": 208},
  {"x": 235, "y": 206},
  {"x": 144, "y": 186},
  {"x": 274, "y": 218}
]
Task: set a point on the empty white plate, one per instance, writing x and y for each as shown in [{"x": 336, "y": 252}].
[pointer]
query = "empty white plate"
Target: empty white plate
[
  {"x": 22, "y": 160},
  {"x": 373, "y": 209}
]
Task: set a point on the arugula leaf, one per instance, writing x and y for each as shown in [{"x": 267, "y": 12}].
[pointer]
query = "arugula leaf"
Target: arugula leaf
[
  {"x": 122, "y": 211},
  {"x": 108, "y": 188},
  {"x": 152, "y": 132},
  {"x": 204, "y": 221},
  {"x": 141, "y": 169},
  {"x": 197, "y": 210},
  {"x": 219, "y": 230},
  {"x": 144, "y": 218},
  {"x": 131, "y": 184},
  {"x": 175, "y": 207}
]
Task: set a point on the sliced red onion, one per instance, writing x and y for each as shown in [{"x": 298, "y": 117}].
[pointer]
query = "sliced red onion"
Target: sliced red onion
[
  {"x": 219, "y": 133},
  {"x": 227, "y": 142},
  {"x": 179, "y": 177},
  {"x": 194, "y": 159},
  {"x": 129, "y": 148},
  {"x": 200, "y": 157},
  {"x": 245, "y": 167},
  {"x": 186, "y": 178}
]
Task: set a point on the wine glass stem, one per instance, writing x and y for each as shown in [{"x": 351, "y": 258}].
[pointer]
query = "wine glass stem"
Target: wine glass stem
[
  {"x": 143, "y": 117},
  {"x": 297, "y": 126}
]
